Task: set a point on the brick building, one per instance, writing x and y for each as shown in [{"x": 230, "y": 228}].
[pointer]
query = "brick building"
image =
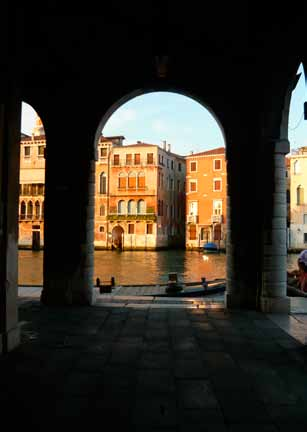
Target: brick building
[
  {"x": 206, "y": 194},
  {"x": 140, "y": 196}
]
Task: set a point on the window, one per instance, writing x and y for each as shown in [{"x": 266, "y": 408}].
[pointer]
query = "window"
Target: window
[
  {"x": 103, "y": 183},
  {"x": 141, "y": 207},
  {"x": 30, "y": 210},
  {"x": 305, "y": 237},
  {"x": 299, "y": 195},
  {"x": 217, "y": 207},
  {"x": 131, "y": 207},
  {"x": 122, "y": 181},
  {"x": 121, "y": 207},
  {"x": 217, "y": 164},
  {"x": 41, "y": 189},
  {"x": 167, "y": 163},
  {"x": 179, "y": 166},
  {"x": 102, "y": 210},
  {"x": 132, "y": 180},
  {"x": 103, "y": 152},
  {"x": 305, "y": 219},
  {"x": 217, "y": 185},
  {"x": 149, "y": 228},
  {"x": 130, "y": 228},
  {"x": 193, "y": 185},
  {"x": 22, "y": 210},
  {"x": 116, "y": 159},
  {"x": 192, "y": 232},
  {"x": 27, "y": 151},
  {"x": 172, "y": 164},
  {"x": 150, "y": 158},
  {"x": 178, "y": 185},
  {"x": 193, "y": 166},
  {"x": 129, "y": 159},
  {"x": 101, "y": 228},
  {"x": 296, "y": 167},
  {"x": 193, "y": 208},
  {"x": 137, "y": 159},
  {"x": 141, "y": 180},
  {"x": 171, "y": 184},
  {"x": 41, "y": 151},
  {"x": 37, "y": 210}
]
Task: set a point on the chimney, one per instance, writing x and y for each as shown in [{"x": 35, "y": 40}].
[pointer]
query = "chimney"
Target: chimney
[
  {"x": 168, "y": 147},
  {"x": 164, "y": 144},
  {"x": 191, "y": 152}
]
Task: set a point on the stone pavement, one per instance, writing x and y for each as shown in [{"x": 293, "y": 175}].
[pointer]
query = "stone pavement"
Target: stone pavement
[{"x": 142, "y": 365}]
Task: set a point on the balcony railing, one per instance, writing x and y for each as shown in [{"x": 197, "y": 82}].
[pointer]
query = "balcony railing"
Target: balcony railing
[
  {"x": 132, "y": 163},
  {"x": 217, "y": 218},
  {"x": 192, "y": 219},
  {"x": 122, "y": 217}
]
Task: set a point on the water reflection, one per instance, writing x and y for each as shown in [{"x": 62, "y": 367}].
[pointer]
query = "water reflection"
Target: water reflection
[{"x": 138, "y": 267}]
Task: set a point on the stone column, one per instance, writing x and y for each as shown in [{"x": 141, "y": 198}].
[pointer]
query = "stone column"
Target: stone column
[
  {"x": 241, "y": 240},
  {"x": 10, "y": 112},
  {"x": 274, "y": 266},
  {"x": 69, "y": 217}
]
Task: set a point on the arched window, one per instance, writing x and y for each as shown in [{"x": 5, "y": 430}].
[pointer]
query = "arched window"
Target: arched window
[
  {"x": 37, "y": 210},
  {"x": 22, "y": 210},
  {"x": 141, "y": 207},
  {"x": 122, "y": 181},
  {"x": 296, "y": 167},
  {"x": 103, "y": 183},
  {"x": 30, "y": 210},
  {"x": 132, "y": 180},
  {"x": 131, "y": 207},
  {"x": 141, "y": 180},
  {"x": 121, "y": 207},
  {"x": 299, "y": 195},
  {"x": 102, "y": 210}
]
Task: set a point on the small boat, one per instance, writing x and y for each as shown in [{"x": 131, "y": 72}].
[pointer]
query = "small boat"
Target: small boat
[{"x": 210, "y": 247}]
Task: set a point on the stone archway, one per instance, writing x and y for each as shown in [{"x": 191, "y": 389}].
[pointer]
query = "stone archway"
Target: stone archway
[{"x": 117, "y": 237}]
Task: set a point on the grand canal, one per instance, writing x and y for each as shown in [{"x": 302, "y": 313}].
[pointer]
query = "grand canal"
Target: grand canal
[{"x": 139, "y": 267}]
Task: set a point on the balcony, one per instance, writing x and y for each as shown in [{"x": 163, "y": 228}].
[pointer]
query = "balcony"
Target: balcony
[
  {"x": 125, "y": 217},
  {"x": 192, "y": 219},
  {"x": 217, "y": 219}
]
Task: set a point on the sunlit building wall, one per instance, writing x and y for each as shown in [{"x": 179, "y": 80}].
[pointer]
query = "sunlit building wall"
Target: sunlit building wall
[
  {"x": 32, "y": 188},
  {"x": 298, "y": 199},
  {"x": 140, "y": 196},
  {"x": 206, "y": 193}
]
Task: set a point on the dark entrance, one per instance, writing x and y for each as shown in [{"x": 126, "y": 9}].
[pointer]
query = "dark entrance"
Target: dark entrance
[
  {"x": 117, "y": 237},
  {"x": 36, "y": 239}
]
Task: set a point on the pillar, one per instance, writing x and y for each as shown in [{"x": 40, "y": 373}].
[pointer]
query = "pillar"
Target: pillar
[
  {"x": 274, "y": 267},
  {"x": 10, "y": 113},
  {"x": 69, "y": 216},
  {"x": 241, "y": 229}
]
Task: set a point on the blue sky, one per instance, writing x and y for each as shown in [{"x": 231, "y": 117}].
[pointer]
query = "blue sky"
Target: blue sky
[{"x": 181, "y": 121}]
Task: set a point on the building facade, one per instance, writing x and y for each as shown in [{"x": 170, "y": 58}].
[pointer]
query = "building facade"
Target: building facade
[
  {"x": 297, "y": 237},
  {"x": 140, "y": 196},
  {"x": 206, "y": 194},
  {"x": 32, "y": 188}
]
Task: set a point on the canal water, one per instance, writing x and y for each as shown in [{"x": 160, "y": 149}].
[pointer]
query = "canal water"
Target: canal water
[{"x": 139, "y": 267}]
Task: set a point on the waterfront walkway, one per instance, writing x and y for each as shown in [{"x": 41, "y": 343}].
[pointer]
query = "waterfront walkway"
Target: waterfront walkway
[{"x": 155, "y": 364}]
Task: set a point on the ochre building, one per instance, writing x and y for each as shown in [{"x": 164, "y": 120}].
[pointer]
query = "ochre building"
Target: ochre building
[
  {"x": 32, "y": 188},
  {"x": 206, "y": 194},
  {"x": 297, "y": 235},
  {"x": 140, "y": 196}
]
